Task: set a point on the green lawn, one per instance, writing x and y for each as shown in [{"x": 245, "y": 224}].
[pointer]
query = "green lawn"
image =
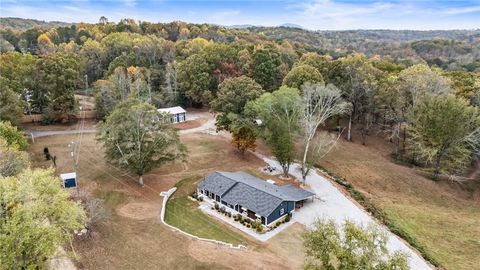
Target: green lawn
[{"x": 184, "y": 214}]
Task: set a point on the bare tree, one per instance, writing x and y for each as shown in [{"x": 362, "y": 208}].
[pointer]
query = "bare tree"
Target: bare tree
[
  {"x": 319, "y": 147},
  {"x": 171, "y": 83},
  {"x": 96, "y": 212},
  {"x": 320, "y": 102}
]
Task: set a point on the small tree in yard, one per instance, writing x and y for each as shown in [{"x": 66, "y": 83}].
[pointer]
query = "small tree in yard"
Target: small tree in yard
[
  {"x": 244, "y": 136},
  {"x": 320, "y": 102},
  {"x": 351, "y": 247},
  {"x": 444, "y": 131},
  {"x": 137, "y": 138},
  {"x": 279, "y": 112}
]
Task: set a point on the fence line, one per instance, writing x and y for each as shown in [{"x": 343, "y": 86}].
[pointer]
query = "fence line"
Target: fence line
[{"x": 32, "y": 118}]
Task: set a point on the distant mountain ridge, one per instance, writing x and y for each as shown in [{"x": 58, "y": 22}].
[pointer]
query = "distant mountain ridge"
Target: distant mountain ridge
[
  {"x": 292, "y": 25},
  {"x": 20, "y": 24},
  {"x": 245, "y": 26}
]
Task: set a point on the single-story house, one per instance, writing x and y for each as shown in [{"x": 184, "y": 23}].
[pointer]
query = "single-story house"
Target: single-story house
[
  {"x": 253, "y": 197},
  {"x": 178, "y": 114}
]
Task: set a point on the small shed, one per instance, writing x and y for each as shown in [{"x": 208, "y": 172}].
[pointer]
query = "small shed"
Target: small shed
[
  {"x": 178, "y": 114},
  {"x": 69, "y": 180}
]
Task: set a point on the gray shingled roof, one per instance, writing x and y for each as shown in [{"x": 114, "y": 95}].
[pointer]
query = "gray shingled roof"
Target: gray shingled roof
[
  {"x": 217, "y": 183},
  {"x": 251, "y": 192}
]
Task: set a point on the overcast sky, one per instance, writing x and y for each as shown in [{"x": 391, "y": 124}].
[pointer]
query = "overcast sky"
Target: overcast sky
[{"x": 315, "y": 14}]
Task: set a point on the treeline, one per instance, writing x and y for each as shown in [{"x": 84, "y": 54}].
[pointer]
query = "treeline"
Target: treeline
[
  {"x": 450, "y": 50},
  {"x": 207, "y": 65},
  {"x": 20, "y": 24}
]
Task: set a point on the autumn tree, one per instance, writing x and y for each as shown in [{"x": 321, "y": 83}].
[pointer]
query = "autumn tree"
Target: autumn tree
[
  {"x": 105, "y": 98},
  {"x": 37, "y": 217},
  {"x": 301, "y": 74},
  {"x": 12, "y": 136},
  {"x": 45, "y": 45},
  {"x": 320, "y": 62},
  {"x": 59, "y": 78},
  {"x": 266, "y": 60},
  {"x": 194, "y": 79},
  {"x": 136, "y": 137},
  {"x": 354, "y": 75},
  {"x": 418, "y": 80},
  {"x": 444, "y": 132},
  {"x": 465, "y": 84},
  {"x": 11, "y": 107},
  {"x": 350, "y": 246},
  {"x": 18, "y": 72},
  {"x": 12, "y": 160},
  {"x": 411, "y": 85},
  {"x": 233, "y": 95},
  {"x": 94, "y": 55}
]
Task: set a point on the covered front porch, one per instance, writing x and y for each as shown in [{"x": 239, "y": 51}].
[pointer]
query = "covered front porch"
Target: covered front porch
[{"x": 211, "y": 198}]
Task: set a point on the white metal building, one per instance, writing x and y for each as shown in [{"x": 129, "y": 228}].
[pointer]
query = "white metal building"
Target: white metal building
[{"x": 178, "y": 114}]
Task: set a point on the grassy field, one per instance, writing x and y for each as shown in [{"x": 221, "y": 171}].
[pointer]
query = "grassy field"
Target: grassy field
[
  {"x": 443, "y": 217},
  {"x": 183, "y": 213}
]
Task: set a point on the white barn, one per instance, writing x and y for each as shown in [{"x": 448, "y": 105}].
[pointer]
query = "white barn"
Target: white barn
[{"x": 178, "y": 114}]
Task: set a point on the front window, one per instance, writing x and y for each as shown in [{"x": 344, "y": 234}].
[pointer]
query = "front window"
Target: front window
[{"x": 282, "y": 211}]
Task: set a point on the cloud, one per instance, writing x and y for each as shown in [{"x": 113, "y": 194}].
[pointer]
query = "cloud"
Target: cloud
[
  {"x": 130, "y": 3},
  {"x": 311, "y": 14},
  {"x": 462, "y": 10},
  {"x": 341, "y": 13},
  {"x": 332, "y": 9}
]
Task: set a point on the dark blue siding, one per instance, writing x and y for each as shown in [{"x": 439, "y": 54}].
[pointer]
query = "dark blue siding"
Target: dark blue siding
[
  {"x": 70, "y": 183},
  {"x": 286, "y": 205}
]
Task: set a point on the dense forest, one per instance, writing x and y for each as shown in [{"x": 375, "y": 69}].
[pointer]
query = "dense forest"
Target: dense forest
[{"x": 421, "y": 89}]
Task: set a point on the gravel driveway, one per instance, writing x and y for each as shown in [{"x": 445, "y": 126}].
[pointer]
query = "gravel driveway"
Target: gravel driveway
[{"x": 333, "y": 204}]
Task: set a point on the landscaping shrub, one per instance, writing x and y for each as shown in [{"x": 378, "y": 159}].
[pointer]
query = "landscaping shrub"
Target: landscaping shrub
[
  {"x": 288, "y": 217},
  {"x": 215, "y": 205}
]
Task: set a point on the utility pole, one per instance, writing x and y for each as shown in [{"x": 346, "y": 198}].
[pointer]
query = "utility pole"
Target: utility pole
[
  {"x": 73, "y": 153},
  {"x": 86, "y": 84}
]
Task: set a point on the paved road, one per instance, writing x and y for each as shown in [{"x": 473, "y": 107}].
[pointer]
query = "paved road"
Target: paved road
[{"x": 37, "y": 134}]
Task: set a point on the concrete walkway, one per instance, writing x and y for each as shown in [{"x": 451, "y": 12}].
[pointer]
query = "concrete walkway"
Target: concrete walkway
[
  {"x": 333, "y": 204},
  {"x": 206, "y": 206}
]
